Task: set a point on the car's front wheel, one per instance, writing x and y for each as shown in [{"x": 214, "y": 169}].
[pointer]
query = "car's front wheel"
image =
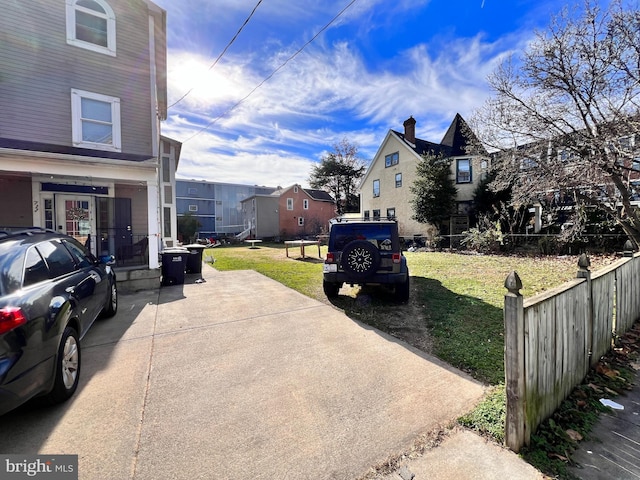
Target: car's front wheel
[
  {"x": 67, "y": 367},
  {"x": 331, "y": 289},
  {"x": 111, "y": 308}
]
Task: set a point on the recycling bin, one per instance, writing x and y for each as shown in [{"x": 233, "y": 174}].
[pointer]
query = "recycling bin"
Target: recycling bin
[
  {"x": 173, "y": 266},
  {"x": 194, "y": 259}
]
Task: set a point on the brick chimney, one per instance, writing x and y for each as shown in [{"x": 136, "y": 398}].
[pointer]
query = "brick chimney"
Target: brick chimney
[{"x": 410, "y": 130}]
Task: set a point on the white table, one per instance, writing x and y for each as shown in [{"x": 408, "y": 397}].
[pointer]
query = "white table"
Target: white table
[
  {"x": 301, "y": 244},
  {"x": 253, "y": 243}
]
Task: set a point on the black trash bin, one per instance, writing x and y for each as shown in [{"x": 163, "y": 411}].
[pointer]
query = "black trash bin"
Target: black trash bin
[
  {"x": 194, "y": 259},
  {"x": 173, "y": 265}
]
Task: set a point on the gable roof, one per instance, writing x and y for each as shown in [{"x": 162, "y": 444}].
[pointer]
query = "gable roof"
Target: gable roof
[
  {"x": 423, "y": 147},
  {"x": 319, "y": 195},
  {"x": 459, "y": 136},
  {"x": 314, "y": 194}
]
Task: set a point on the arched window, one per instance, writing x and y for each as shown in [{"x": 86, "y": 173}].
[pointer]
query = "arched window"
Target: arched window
[{"x": 91, "y": 24}]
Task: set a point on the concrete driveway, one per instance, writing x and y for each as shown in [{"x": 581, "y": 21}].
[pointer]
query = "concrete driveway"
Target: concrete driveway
[{"x": 240, "y": 377}]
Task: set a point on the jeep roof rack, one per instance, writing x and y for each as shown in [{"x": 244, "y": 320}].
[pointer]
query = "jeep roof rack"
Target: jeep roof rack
[{"x": 362, "y": 219}]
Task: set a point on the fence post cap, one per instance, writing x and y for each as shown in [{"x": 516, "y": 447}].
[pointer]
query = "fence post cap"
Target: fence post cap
[
  {"x": 628, "y": 248},
  {"x": 513, "y": 282},
  {"x": 583, "y": 262}
]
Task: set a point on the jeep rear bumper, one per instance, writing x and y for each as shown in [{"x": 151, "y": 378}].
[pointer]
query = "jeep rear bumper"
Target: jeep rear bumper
[{"x": 381, "y": 278}]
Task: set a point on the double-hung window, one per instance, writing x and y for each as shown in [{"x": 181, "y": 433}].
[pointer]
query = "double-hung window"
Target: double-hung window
[
  {"x": 305, "y": 204},
  {"x": 376, "y": 188},
  {"x": 463, "y": 170},
  {"x": 95, "y": 121},
  {"x": 392, "y": 159},
  {"x": 398, "y": 180},
  {"x": 289, "y": 203},
  {"x": 91, "y": 24}
]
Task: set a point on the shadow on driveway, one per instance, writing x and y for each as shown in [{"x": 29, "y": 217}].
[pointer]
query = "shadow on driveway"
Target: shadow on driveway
[{"x": 464, "y": 330}]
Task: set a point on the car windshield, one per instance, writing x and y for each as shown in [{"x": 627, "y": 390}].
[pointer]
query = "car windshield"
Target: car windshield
[
  {"x": 377, "y": 233},
  {"x": 11, "y": 262}
]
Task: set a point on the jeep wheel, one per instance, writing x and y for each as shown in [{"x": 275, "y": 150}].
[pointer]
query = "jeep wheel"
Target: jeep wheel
[
  {"x": 360, "y": 259},
  {"x": 331, "y": 289}
]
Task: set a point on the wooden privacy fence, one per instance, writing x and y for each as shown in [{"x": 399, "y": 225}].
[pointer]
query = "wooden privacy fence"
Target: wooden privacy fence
[{"x": 553, "y": 339}]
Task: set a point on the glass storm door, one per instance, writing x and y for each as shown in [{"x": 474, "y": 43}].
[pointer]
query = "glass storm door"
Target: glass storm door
[{"x": 75, "y": 217}]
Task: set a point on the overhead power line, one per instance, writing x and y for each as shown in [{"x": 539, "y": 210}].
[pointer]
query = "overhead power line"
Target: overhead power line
[
  {"x": 223, "y": 51},
  {"x": 243, "y": 99}
]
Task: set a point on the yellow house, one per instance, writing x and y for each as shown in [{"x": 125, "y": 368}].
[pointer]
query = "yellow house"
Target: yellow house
[{"x": 385, "y": 190}]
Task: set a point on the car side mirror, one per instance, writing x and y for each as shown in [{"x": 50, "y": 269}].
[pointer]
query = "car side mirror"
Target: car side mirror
[{"x": 108, "y": 259}]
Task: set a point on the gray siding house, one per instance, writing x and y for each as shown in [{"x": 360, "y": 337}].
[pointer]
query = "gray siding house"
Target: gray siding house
[
  {"x": 217, "y": 206},
  {"x": 261, "y": 217},
  {"x": 83, "y": 93}
]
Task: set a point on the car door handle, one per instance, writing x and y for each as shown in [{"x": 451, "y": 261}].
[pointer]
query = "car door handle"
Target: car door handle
[{"x": 70, "y": 290}]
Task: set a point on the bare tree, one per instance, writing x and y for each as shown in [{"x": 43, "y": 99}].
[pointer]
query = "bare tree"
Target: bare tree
[
  {"x": 565, "y": 116},
  {"x": 339, "y": 172}
]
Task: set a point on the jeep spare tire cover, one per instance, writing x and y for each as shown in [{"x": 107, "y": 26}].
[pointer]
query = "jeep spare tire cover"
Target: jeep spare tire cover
[{"x": 360, "y": 259}]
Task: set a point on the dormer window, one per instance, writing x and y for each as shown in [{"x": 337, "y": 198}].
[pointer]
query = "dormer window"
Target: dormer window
[{"x": 91, "y": 24}]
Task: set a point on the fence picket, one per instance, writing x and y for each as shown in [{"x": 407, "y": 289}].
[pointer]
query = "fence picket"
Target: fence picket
[{"x": 549, "y": 338}]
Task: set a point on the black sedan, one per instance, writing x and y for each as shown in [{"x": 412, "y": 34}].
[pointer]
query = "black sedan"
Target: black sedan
[{"x": 51, "y": 292}]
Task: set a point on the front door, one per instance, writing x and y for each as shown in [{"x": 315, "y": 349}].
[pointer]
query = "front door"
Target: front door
[{"x": 74, "y": 217}]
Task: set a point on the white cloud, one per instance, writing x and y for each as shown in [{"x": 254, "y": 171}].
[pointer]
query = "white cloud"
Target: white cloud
[{"x": 326, "y": 93}]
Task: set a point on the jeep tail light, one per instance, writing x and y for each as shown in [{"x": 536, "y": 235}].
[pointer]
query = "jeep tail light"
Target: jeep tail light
[
  {"x": 10, "y": 318},
  {"x": 396, "y": 257},
  {"x": 331, "y": 258}
]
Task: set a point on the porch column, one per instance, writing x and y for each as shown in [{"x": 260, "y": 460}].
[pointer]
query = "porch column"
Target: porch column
[{"x": 154, "y": 222}]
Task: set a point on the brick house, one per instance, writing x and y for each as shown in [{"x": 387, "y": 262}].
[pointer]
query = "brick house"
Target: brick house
[{"x": 304, "y": 211}]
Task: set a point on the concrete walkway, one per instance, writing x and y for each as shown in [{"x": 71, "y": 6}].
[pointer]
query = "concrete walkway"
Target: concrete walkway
[
  {"x": 613, "y": 447},
  {"x": 239, "y": 377}
]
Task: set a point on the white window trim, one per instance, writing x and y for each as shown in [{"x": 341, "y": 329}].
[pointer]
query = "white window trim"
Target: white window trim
[
  {"x": 305, "y": 203},
  {"x": 193, "y": 208},
  {"x": 289, "y": 203},
  {"x": 71, "y": 8},
  {"x": 76, "y": 120},
  {"x": 301, "y": 221}
]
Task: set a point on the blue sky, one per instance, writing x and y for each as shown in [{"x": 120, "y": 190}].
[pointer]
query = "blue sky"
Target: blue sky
[{"x": 379, "y": 63}]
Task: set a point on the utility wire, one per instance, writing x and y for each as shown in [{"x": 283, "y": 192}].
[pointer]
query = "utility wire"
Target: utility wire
[
  {"x": 223, "y": 51},
  {"x": 242, "y": 100}
]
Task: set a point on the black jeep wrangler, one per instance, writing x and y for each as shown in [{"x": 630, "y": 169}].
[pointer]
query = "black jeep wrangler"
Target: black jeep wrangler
[{"x": 365, "y": 253}]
